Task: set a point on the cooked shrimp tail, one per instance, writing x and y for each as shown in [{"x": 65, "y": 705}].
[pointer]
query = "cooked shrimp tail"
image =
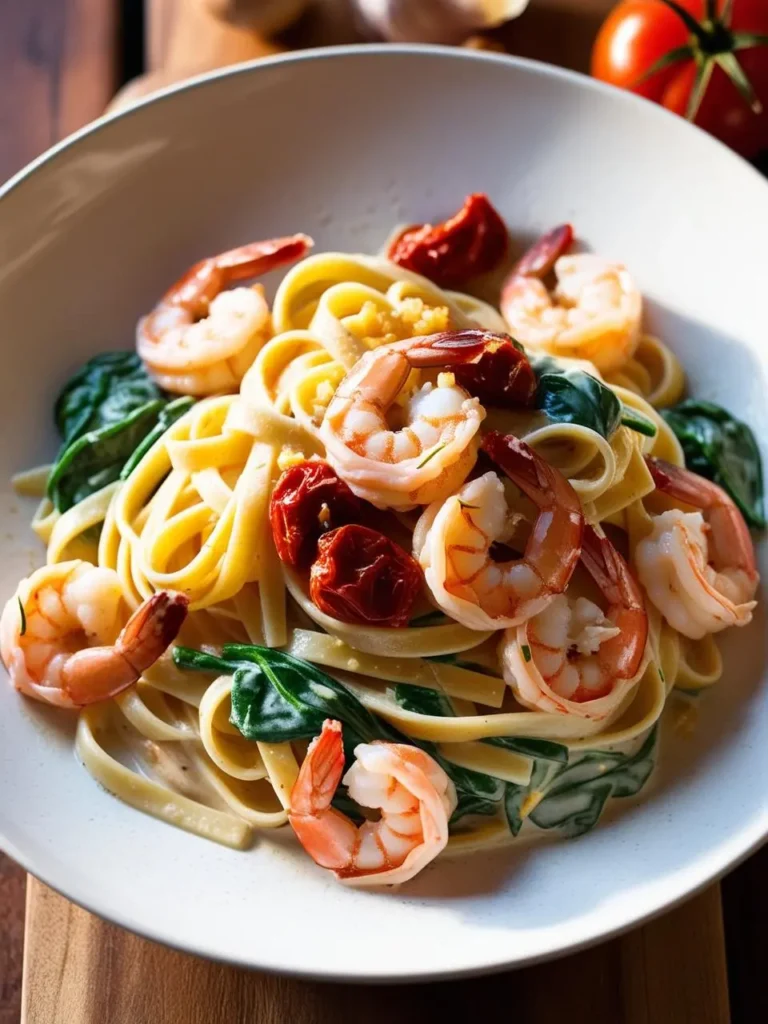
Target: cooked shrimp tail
[
  {"x": 730, "y": 542},
  {"x": 435, "y": 449},
  {"x": 454, "y": 539},
  {"x": 697, "y": 567},
  {"x": 554, "y": 546},
  {"x": 321, "y": 829},
  {"x": 593, "y": 313},
  {"x": 200, "y": 338},
  {"x": 540, "y": 259},
  {"x": 413, "y": 794},
  {"x": 98, "y": 673},
  {"x": 626, "y": 606},
  {"x": 451, "y": 348},
  {"x": 573, "y": 658},
  {"x": 201, "y": 284},
  {"x": 57, "y": 634}
]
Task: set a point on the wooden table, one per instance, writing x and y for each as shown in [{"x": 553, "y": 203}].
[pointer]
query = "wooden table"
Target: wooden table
[{"x": 61, "y": 61}]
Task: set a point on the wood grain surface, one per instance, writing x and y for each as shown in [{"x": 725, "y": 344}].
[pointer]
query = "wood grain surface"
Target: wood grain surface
[
  {"x": 58, "y": 65},
  {"x": 80, "y": 970},
  {"x": 59, "y": 58}
]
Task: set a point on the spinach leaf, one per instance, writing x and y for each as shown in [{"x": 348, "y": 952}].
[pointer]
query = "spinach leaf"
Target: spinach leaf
[
  {"x": 514, "y": 796},
  {"x": 300, "y": 688},
  {"x": 201, "y": 661},
  {"x": 276, "y": 698},
  {"x": 722, "y": 449},
  {"x": 262, "y": 712},
  {"x": 103, "y": 392},
  {"x": 545, "y": 750},
  {"x": 637, "y": 421},
  {"x": 93, "y": 460},
  {"x": 575, "y": 798},
  {"x": 423, "y": 701},
  {"x": 569, "y": 395},
  {"x": 108, "y": 415},
  {"x": 468, "y": 803},
  {"x": 435, "y": 618},
  {"x": 168, "y": 415}
]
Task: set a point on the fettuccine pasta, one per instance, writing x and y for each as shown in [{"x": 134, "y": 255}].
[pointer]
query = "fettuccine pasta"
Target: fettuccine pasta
[{"x": 449, "y": 548}]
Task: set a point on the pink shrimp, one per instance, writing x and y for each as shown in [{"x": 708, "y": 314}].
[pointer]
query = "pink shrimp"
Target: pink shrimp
[
  {"x": 200, "y": 339},
  {"x": 594, "y": 313},
  {"x": 453, "y": 541},
  {"x": 414, "y": 795},
  {"x": 699, "y": 567},
  {"x": 57, "y": 634},
  {"x": 572, "y": 658}
]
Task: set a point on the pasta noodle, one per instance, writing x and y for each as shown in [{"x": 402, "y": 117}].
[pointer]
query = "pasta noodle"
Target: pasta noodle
[{"x": 193, "y": 516}]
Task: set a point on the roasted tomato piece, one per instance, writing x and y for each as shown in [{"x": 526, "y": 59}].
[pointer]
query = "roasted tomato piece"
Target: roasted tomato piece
[
  {"x": 362, "y": 576},
  {"x": 309, "y": 499},
  {"x": 474, "y": 241},
  {"x": 502, "y": 376}
]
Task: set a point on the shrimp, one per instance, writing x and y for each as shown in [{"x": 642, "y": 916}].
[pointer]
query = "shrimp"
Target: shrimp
[
  {"x": 453, "y": 541},
  {"x": 200, "y": 339},
  {"x": 698, "y": 568},
  {"x": 573, "y": 659},
  {"x": 594, "y": 312},
  {"x": 434, "y": 452},
  {"x": 60, "y": 636},
  {"x": 415, "y": 796}
]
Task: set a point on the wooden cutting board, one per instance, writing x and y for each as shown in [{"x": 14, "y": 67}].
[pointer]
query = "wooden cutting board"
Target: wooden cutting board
[{"x": 81, "y": 970}]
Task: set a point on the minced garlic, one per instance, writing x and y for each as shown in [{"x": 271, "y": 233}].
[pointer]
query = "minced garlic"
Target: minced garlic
[{"x": 289, "y": 457}]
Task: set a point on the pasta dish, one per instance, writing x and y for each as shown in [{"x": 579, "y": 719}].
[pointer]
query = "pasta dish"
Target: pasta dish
[{"x": 409, "y": 560}]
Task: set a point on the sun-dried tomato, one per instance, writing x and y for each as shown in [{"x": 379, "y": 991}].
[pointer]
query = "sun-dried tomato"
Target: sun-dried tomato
[
  {"x": 502, "y": 376},
  {"x": 362, "y": 576},
  {"x": 474, "y": 241},
  {"x": 309, "y": 499}
]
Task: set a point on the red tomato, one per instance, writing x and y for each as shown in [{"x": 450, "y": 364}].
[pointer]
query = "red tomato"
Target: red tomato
[
  {"x": 638, "y": 33},
  {"x": 308, "y": 500},
  {"x": 361, "y": 576},
  {"x": 502, "y": 376},
  {"x": 471, "y": 242}
]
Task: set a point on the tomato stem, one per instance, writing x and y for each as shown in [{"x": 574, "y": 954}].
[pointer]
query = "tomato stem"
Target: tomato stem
[{"x": 712, "y": 43}]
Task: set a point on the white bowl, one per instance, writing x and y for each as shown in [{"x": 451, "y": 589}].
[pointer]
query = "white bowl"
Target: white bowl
[{"x": 344, "y": 144}]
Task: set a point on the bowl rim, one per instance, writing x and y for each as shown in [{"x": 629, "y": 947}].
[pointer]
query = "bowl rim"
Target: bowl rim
[
  {"x": 536, "y": 67},
  {"x": 712, "y": 866}
]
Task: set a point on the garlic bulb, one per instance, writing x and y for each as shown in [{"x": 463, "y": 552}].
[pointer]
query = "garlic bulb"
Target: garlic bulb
[
  {"x": 264, "y": 16},
  {"x": 434, "y": 21}
]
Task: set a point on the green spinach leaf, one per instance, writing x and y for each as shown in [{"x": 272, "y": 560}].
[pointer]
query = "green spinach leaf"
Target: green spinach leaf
[
  {"x": 102, "y": 393},
  {"x": 515, "y": 795},
  {"x": 576, "y": 796},
  {"x": 468, "y": 803},
  {"x": 545, "y": 750},
  {"x": 423, "y": 701},
  {"x": 93, "y": 460},
  {"x": 435, "y": 618},
  {"x": 302, "y": 687},
  {"x": 637, "y": 421},
  {"x": 569, "y": 395},
  {"x": 723, "y": 449},
  {"x": 168, "y": 415}
]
